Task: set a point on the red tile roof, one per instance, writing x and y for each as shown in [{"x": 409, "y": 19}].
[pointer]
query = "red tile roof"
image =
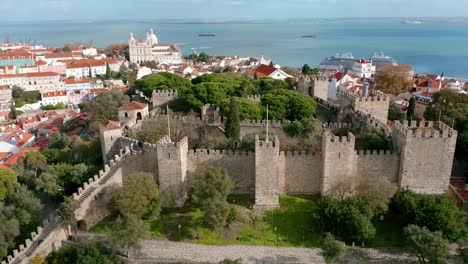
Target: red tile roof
[
  {"x": 59, "y": 55},
  {"x": 264, "y": 70},
  {"x": 133, "y": 106},
  {"x": 459, "y": 186},
  {"x": 42, "y": 74},
  {"x": 76, "y": 81},
  {"x": 54, "y": 94},
  {"x": 110, "y": 125}
]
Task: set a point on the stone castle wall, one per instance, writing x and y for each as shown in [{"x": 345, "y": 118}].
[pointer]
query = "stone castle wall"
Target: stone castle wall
[
  {"x": 427, "y": 153},
  {"x": 240, "y": 166},
  {"x": 376, "y": 105},
  {"x": 302, "y": 172},
  {"x": 161, "y": 98},
  {"x": 313, "y": 86},
  {"x": 378, "y": 163}
]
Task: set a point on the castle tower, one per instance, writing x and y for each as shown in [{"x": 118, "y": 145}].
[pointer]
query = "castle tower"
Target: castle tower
[
  {"x": 172, "y": 164},
  {"x": 109, "y": 134},
  {"x": 338, "y": 157},
  {"x": 315, "y": 86},
  {"x": 426, "y": 151},
  {"x": 267, "y": 172}
]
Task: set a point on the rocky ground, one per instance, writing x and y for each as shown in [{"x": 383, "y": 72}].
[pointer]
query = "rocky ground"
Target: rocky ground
[{"x": 155, "y": 251}]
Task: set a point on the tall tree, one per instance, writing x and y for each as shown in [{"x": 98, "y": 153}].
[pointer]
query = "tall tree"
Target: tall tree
[
  {"x": 427, "y": 246},
  {"x": 66, "y": 214},
  {"x": 411, "y": 109},
  {"x": 395, "y": 113},
  {"x": 394, "y": 79},
  {"x": 139, "y": 196},
  {"x": 232, "y": 130},
  {"x": 127, "y": 232},
  {"x": 108, "y": 71},
  {"x": 210, "y": 191},
  {"x": 105, "y": 106},
  {"x": 306, "y": 69},
  {"x": 8, "y": 183}
]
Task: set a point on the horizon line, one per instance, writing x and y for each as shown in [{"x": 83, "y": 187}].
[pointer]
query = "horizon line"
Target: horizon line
[{"x": 229, "y": 19}]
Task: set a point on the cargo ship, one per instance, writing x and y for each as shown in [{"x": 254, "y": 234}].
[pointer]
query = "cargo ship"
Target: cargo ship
[{"x": 207, "y": 35}]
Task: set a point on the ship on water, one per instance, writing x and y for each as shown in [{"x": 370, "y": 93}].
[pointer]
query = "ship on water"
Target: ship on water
[
  {"x": 345, "y": 61},
  {"x": 207, "y": 34},
  {"x": 310, "y": 36}
]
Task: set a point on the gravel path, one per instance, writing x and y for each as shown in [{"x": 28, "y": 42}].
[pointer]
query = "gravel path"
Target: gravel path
[{"x": 154, "y": 251}]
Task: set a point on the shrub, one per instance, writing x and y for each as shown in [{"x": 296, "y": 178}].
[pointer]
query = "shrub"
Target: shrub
[
  {"x": 426, "y": 245},
  {"x": 333, "y": 250}
]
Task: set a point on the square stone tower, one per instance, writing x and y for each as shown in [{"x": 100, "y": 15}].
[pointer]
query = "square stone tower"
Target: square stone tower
[
  {"x": 172, "y": 165},
  {"x": 110, "y": 133},
  {"x": 338, "y": 159},
  {"x": 427, "y": 152},
  {"x": 267, "y": 173}
]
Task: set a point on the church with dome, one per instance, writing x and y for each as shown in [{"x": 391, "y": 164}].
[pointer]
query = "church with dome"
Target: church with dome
[{"x": 149, "y": 49}]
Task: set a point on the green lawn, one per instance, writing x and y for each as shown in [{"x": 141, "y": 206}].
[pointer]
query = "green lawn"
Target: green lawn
[{"x": 294, "y": 223}]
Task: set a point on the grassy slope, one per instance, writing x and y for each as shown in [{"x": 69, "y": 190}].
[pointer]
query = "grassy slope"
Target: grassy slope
[{"x": 294, "y": 222}]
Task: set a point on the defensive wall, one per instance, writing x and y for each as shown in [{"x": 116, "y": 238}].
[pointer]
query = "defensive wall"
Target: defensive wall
[
  {"x": 376, "y": 105},
  {"x": 421, "y": 160}
]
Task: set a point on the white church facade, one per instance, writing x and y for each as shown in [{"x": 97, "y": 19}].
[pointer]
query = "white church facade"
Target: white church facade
[{"x": 149, "y": 49}]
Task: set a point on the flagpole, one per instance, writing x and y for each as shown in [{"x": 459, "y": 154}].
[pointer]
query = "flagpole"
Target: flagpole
[
  {"x": 267, "y": 126},
  {"x": 168, "y": 123}
]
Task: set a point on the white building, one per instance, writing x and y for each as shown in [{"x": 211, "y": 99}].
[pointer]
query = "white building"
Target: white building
[
  {"x": 53, "y": 98},
  {"x": 149, "y": 49},
  {"x": 40, "y": 81},
  {"x": 263, "y": 71},
  {"x": 6, "y": 98},
  {"x": 82, "y": 69},
  {"x": 363, "y": 68},
  {"x": 143, "y": 71},
  {"x": 89, "y": 52}
]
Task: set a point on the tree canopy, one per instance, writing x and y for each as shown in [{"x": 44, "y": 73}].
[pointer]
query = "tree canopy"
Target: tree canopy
[
  {"x": 161, "y": 81},
  {"x": 105, "y": 106},
  {"x": 427, "y": 246},
  {"x": 349, "y": 219},
  {"x": 452, "y": 109},
  {"x": 210, "y": 191},
  {"x": 436, "y": 212},
  {"x": 232, "y": 130},
  {"x": 291, "y": 105},
  {"x": 395, "y": 113},
  {"x": 394, "y": 79},
  {"x": 139, "y": 196}
]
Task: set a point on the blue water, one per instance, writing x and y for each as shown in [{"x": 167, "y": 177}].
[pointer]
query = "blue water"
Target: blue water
[{"x": 428, "y": 47}]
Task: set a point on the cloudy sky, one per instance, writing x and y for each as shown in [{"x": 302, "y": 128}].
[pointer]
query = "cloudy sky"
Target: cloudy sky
[{"x": 226, "y": 9}]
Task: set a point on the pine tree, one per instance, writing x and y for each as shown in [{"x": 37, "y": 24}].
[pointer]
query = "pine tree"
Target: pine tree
[
  {"x": 232, "y": 131},
  {"x": 411, "y": 108}
]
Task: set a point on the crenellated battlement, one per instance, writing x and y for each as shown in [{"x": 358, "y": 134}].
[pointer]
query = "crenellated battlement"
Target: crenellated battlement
[
  {"x": 424, "y": 129},
  {"x": 266, "y": 144},
  {"x": 32, "y": 242},
  {"x": 209, "y": 152},
  {"x": 298, "y": 154},
  {"x": 336, "y": 125},
  {"x": 261, "y": 123},
  {"x": 376, "y": 153},
  {"x": 310, "y": 78},
  {"x": 350, "y": 139},
  {"x": 372, "y": 121},
  {"x": 165, "y": 93},
  {"x": 256, "y": 98},
  {"x": 175, "y": 118},
  {"x": 355, "y": 99}
]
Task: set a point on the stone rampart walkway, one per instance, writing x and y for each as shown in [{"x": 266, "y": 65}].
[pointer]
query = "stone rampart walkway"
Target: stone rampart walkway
[{"x": 155, "y": 251}]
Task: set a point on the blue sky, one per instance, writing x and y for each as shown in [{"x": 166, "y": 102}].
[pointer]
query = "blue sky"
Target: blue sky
[{"x": 225, "y": 9}]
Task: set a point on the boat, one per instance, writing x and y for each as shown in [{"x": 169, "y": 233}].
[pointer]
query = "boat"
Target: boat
[
  {"x": 207, "y": 35},
  {"x": 346, "y": 61},
  {"x": 309, "y": 36}
]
